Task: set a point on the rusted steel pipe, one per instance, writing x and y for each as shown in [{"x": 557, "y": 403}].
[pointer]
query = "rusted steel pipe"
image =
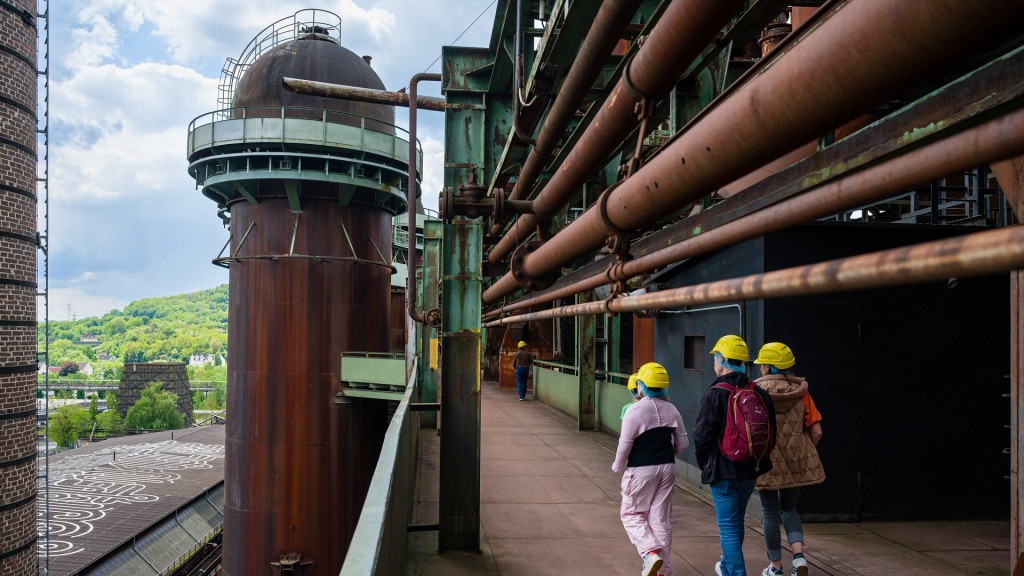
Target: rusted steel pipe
[
  {"x": 612, "y": 18},
  {"x": 898, "y": 45},
  {"x": 983, "y": 144},
  {"x": 977, "y": 254},
  {"x": 683, "y": 31},
  {"x": 343, "y": 92},
  {"x": 410, "y": 280}
]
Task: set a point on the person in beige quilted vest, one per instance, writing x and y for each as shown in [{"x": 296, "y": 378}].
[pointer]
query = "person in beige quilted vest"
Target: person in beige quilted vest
[{"x": 795, "y": 461}]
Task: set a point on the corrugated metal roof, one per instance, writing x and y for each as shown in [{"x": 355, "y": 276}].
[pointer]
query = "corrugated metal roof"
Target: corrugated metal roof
[{"x": 106, "y": 494}]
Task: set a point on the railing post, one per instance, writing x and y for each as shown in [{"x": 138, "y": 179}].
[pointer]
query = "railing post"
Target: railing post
[{"x": 586, "y": 356}]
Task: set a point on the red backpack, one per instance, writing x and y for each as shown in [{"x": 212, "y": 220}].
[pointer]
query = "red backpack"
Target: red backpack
[{"x": 749, "y": 430}]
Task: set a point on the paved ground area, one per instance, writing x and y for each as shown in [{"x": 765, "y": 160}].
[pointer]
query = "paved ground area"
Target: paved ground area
[
  {"x": 549, "y": 505},
  {"x": 104, "y": 494}
]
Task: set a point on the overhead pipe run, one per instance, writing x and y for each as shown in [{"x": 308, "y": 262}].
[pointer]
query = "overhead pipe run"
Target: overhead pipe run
[
  {"x": 984, "y": 144},
  {"x": 899, "y": 45},
  {"x": 684, "y": 30},
  {"x": 410, "y": 280},
  {"x": 977, "y": 254},
  {"x": 341, "y": 91},
  {"x": 611, "y": 20}
]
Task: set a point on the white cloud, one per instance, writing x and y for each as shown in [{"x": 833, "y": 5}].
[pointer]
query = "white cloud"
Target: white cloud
[
  {"x": 129, "y": 76},
  {"x": 433, "y": 171},
  {"x": 72, "y": 303}
]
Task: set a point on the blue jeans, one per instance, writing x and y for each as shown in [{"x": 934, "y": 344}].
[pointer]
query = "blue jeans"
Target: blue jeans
[
  {"x": 521, "y": 374},
  {"x": 731, "y": 498},
  {"x": 776, "y": 504}
]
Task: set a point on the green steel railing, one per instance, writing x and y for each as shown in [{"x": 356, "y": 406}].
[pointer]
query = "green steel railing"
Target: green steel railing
[{"x": 379, "y": 545}]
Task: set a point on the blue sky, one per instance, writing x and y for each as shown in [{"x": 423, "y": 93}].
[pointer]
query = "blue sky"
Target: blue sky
[{"x": 127, "y": 77}]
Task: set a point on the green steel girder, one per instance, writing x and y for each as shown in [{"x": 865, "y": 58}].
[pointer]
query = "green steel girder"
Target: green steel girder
[
  {"x": 469, "y": 119},
  {"x": 430, "y": 298},
  {"x": 757, "y": 15},
  {"x": 459, "y": 498},
  {"x": 468, "y": 69},
  {"x": 562, "y": 40}
]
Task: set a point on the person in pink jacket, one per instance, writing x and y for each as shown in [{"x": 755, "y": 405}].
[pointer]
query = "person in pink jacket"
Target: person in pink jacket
[{"x": 652, "y": 437}]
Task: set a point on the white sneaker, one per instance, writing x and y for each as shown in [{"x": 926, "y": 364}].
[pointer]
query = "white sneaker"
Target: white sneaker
[
  {"x": 652, "y": 563},
  {"x": 771, "y": 571},
  {"x": 799, "y": 567},
  {"x": 718, "y": 568}
]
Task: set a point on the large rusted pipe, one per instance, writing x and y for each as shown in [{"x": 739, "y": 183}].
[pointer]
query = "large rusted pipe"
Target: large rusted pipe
[
  {"x": 343, "y": 92},
  {"x": 410, "y": 280},
  {"x": 612, "y": 18},
  {"x": 977, "y": 254},
  {"x": 683, "y": 31},
  {"x": 897, "y": 45},
  {"x": 987, "y": 143}
]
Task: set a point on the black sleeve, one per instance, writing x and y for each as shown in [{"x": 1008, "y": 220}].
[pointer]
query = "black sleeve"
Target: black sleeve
[{"x": 707, "y": 428}]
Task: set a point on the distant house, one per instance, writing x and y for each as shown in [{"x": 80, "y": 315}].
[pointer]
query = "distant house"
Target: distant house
[
  {"x": 89, "y": 339},
  {"x": 201, "y": 359},
  {"x": 105, "y": 357},
  {"x": 85, "y": 368}
]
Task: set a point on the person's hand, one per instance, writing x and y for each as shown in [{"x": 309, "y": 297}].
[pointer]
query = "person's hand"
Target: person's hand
[{"x": 816, "y": 433}]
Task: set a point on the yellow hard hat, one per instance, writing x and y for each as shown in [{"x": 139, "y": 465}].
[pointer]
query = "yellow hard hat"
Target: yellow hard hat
[
  {"x": 653, "y": 375},
  {"x": 732, "y": 347},
  {"x": 522, "y": 344},
  {"x": 776, "y": 354},
  {"x": 631, "y": 384}
]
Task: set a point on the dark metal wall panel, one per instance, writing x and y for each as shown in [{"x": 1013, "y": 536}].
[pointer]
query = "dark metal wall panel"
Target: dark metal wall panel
[
  {"x": 673, "y": 327},
  {"x": 910, "y": 381}
]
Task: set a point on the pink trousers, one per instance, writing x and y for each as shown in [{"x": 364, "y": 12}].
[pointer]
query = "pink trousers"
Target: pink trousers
[{"x": 646, "y": 510}]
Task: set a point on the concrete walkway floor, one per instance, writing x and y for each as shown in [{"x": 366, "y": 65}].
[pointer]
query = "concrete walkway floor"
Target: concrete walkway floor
[{"x": 550, "y": 506}]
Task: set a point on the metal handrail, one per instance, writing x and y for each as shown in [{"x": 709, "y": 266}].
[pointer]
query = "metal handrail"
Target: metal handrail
[
  {"x": 562, "y": 367},
  {"x": 326, "y": 23},
  {"x": 230, "y": 113},
  {"x": 379, "y": 544}
]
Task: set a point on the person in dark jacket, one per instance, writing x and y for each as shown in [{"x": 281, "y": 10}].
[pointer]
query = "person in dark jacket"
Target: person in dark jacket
[
  {"x": 521, "y": 363},
  {"x": 731, "y": 482}
]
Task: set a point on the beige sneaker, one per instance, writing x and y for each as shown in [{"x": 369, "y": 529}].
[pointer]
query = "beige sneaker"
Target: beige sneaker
[
  {"x": 799, "y": 567},
  {"x": 652, "y": 563}
]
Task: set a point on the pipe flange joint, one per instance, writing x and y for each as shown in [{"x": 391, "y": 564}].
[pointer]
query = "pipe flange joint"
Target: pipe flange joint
[
  {"x": 498, "y": 212},
  {"x": 517, "y": 261},
  {"x": 446, "y": 205}
]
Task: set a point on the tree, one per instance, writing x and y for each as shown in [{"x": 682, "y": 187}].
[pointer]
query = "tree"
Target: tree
[
  {"x": 94, "y": 406},
  {"x": 68, "y": 367},
  {"x": 66, "y": 423},
  {"x": 157, "y": 409},
  {"x": 110, "y": 419}
]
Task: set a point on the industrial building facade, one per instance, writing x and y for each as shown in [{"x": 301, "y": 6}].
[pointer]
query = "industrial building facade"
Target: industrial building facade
[{"x": 624, "y": 181}]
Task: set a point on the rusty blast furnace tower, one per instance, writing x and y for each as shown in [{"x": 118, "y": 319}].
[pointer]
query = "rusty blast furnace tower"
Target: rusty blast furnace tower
[{"x": 309, "y": 187}]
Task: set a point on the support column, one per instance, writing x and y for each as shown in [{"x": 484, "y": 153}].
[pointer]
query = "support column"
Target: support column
[
  {"x": 1010, "y": 175},
  {"x": 430, "y": 299},
  {"x": 586, "y": 354},
  {"x": 459, "y": 502},
  {"x": 1017, "y": 399}
]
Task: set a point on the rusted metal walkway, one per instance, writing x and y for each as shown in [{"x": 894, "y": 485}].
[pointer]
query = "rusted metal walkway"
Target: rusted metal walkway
[{"x": 550, "y": 502}]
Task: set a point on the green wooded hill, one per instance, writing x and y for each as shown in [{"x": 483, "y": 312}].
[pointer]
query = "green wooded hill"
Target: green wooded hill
[{"x": 172, "y": 328}]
